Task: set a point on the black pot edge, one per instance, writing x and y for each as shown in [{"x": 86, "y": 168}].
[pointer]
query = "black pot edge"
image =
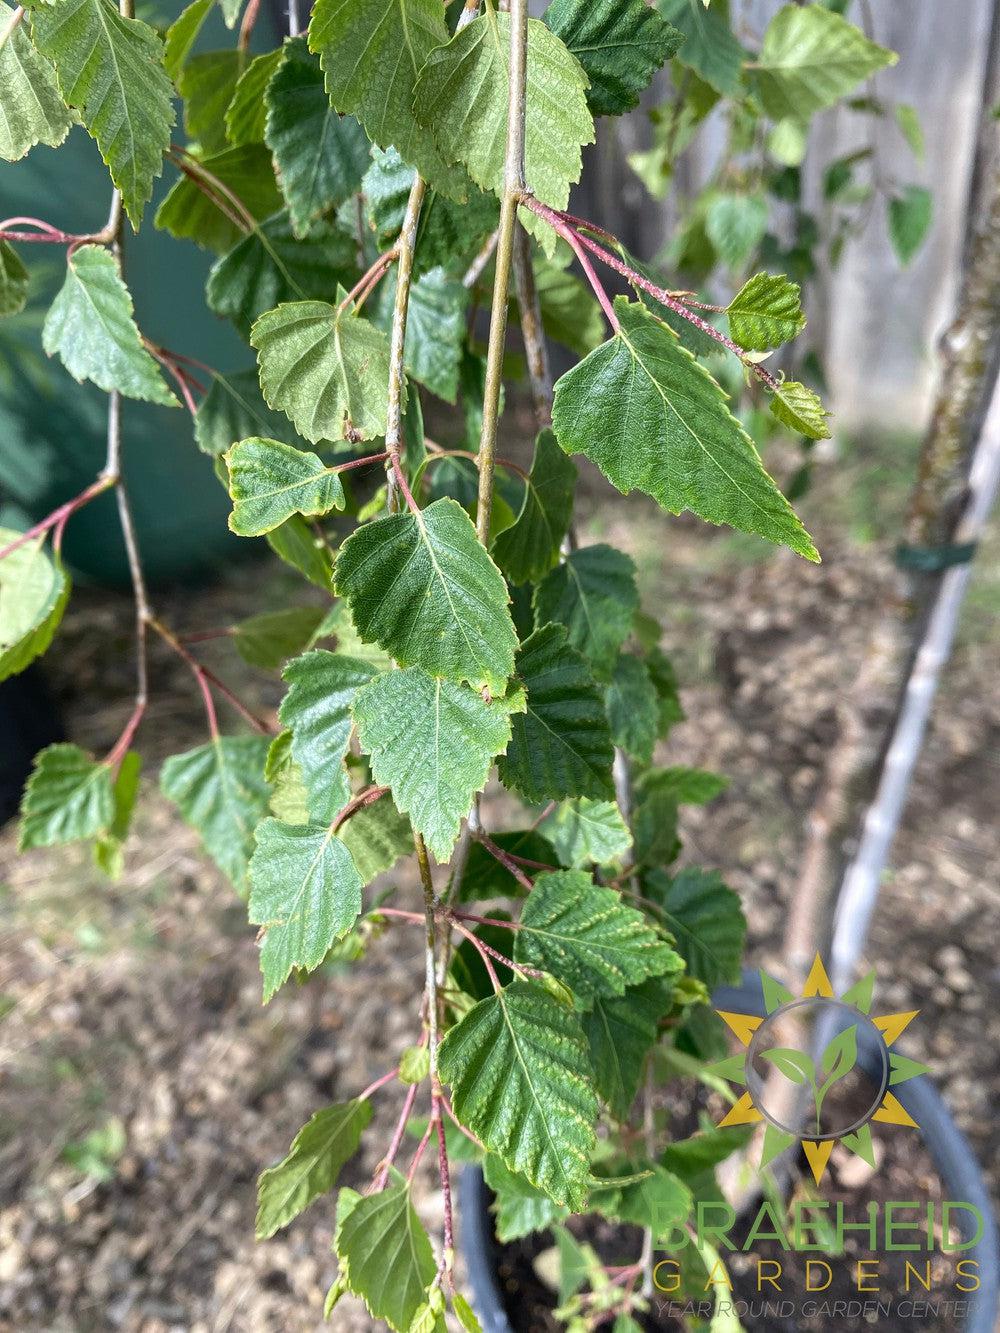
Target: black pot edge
[{"x": 947, "y": 1145}]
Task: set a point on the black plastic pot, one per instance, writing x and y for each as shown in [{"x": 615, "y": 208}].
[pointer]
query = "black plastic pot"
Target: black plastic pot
[{"x": 948, "y": 1147}]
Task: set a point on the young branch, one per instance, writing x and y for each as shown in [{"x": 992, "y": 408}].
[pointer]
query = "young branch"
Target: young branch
[
  {"x": 536, "y": 350},
  {"x": 513, "y": 188},
  {"x": 59, "y": 516},
  {"x": 364, "y": 798},
  {"x": 508, "y": 863},
  {"x": 382, "y": 1173},
  {"x": 205, "y": 679}
]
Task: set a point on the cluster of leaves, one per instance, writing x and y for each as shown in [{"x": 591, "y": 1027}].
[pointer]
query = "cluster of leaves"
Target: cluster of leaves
[
  {"x": 436, "y": 658},
  {"x": 759, "y": 100}
]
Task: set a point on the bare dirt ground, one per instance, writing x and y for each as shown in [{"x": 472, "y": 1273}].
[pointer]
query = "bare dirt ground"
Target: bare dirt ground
[{"x": 132, "y": 1037}]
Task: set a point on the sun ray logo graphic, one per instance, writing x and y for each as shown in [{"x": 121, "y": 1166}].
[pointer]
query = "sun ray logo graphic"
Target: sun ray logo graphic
[{"x": 838, "y": 1090}]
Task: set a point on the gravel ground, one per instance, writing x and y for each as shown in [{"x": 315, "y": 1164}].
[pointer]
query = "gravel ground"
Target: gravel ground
[{"x": 134, "y": 1009}]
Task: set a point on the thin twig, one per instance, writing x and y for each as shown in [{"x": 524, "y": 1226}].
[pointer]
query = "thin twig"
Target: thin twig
[
  {"x": 506, "y": 861},
  {"x": 248, "y": 24},
  {"x": 364, "y": 798},
  {"x": 484, "y": 955},
  {"x": 61, "y": 514},
  {"x": 669, "y": 300},
  {"x": 475, "y": 270},
  {"x": 536, "y": 350},
  {"x": 205, "y": 679},
  {"x": 379, "y": 1083},
  {"x": 366, "y": 283},
  {"x": 382, "y": 1173}
]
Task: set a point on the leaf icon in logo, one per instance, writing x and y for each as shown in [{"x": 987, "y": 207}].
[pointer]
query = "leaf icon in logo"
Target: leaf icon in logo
[
  {"x": 795, "y": 1065},
  {"x": 837, "y": 1061}
]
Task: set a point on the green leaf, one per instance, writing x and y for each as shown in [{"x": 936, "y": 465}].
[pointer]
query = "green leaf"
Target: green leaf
[
  {"x": 34, "y": 590},
  {"x": 269, "y": 481},
  {"x": 519, "y": 1207},
  {"x": 633, "y": 708},
  {"x": 571, "y": 314},
  {"x": 305, "y": 894},
  {"x": 230, "y": 11},
  {"x": 620, "y": 46},
  {"x": 220, "y": 790},
  {"x": 414, "y": 1064},
  {"x": 435, "y": 329},
  {"x": 653, "y": 419},
  {"x": 908, "y": 120},
  {"x": 588, "y": 937},
  {"x": 296, "y": 543},
  {"x": 686, "y": 786},
  {"x": 810, "y": 59},
  {"x": 234, "y": 409},
  {"x": 910, "y": 216},
  {"x": 709, "y": 47},
  {"x": 707, "y": 922},
  {"x": 269, "y": 639},
  {"x": 188, "y": 213},
  {"x": 325, "y": 368},
  {"x": 449, "y": 235},
  {"x": 461, "y": 96},
  {"x": 423, "y": 588},
  {"x": 317, "y": 709},
  {"x": 620, "y": 1031},
  {"x": 465, "y": 1314},
  {"x": 311, "y": 1166},
  {"x": 593, "y": 594},
  {"x": 371, "y": 52},
  {"x": 560, "y": 746},
  {"x": 796, "y": 1066},
  {"x": 377, "y": 836},
  {"x": 182, "y": 35},
  {"x": 90, "y": 326},
  {"x": 288, "y": 798},
  {"x": 109, "y": 844},
  {"x": 735, "y": 224},
  {"x": 659, "y": 1201},
  {"x": 207, "y": 84},
  {"x": 69, "y": 796},
  {"x": 800, "y": 408},
  {"x": 246, "y": 117},
  {"x": 270, "y": 266},
  {"x": 320, "y": 156},
  {"x": 521, "y": 1081},
  {"x": 433, "y": 743},
  {"x": 528, "y": 550},
  {"x": 385, "y": 1253},
  {"x": 765, "y": 313},
  {"x": 695, "y": 1158},
  {"x": 584, "y": 831},
  {"x": 110, "y": 68},
  {"x": 31, "y": 107},
  {"x": 654, "y": 827},
  {"x": 664, "y": 680}
]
